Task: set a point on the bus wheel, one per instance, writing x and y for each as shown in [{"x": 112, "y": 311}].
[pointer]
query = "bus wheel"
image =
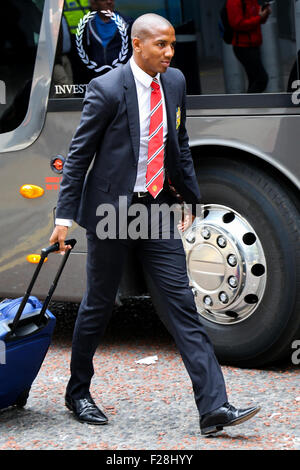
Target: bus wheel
[{"x": 243, "y": 260}]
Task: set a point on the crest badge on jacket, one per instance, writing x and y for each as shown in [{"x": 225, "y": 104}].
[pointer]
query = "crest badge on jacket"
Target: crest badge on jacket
[{"x": 178, "y": 117}]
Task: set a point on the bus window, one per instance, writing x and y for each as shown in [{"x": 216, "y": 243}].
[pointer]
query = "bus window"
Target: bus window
[
  {"x": 92, "y": 43},
  {"x": 19, "y": 36},
  {"x": 294, "y": 76},
  {"x": 231, "y": 69}
]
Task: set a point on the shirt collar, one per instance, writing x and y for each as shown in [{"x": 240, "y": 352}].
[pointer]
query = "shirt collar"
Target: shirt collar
[{"x": 140, "y": 75}]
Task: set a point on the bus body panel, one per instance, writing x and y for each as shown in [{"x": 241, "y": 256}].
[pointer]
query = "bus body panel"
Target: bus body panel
[
  {"x": 245, "y": 149},
  {"x": 27, "y": 224},
  {"x": 273, "y": 140}
]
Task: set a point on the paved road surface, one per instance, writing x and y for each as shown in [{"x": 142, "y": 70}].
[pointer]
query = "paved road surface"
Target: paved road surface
[{"x": 149, "y": 406}]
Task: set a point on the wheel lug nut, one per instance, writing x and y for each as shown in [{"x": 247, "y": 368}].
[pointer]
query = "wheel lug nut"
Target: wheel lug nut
[
  {"x": 232, "y": 261},
  {"x": 191, "y": 239},
  {"x": 232, "y": 281},
  {"x": 221, "y": 242},
  {"x": 207, "y": 301},
  {"x": 205, "y": 233},
  {"x": 223, "y": 297}
]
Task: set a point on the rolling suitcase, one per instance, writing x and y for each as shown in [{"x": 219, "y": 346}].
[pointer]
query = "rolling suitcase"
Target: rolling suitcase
[{"x": 26, "y": 328}]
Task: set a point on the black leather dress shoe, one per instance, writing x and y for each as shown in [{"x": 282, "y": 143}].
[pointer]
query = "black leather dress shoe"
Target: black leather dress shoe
[
  {"x": 226, "y": 415},
  {"x": 86, "y": 410}
]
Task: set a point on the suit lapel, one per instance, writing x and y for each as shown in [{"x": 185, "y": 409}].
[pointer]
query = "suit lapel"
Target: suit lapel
[
  {"x": 132, "y": 109},
  {"x": 170, "y": 100}
]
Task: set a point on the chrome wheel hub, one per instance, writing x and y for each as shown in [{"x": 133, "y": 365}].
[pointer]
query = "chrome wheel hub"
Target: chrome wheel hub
[{"x": 226, "y": 265}]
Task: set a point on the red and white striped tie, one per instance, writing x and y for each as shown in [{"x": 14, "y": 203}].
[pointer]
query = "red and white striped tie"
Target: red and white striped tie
[{"x": 155, "y": 161}]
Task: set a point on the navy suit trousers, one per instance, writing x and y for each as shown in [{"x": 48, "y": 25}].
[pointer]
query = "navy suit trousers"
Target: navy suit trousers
[{"x": 165, "y": 261}]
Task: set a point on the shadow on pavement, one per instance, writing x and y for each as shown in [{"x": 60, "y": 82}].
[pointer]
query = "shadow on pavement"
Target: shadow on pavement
[{"x": 135, "y": 319}]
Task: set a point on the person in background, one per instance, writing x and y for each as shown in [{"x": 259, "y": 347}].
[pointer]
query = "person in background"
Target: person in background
[
  {"x": 245, "y": 17},
  {"x": 102, "y": 39},
  {"x": 74, "y": 12}
]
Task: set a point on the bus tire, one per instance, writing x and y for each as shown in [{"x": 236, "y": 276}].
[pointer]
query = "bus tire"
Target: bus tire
[{"x": 267, "y": 334}]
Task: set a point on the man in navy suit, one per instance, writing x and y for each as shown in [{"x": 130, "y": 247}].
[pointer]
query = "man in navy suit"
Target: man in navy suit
[{"x": 133, "y": 132}]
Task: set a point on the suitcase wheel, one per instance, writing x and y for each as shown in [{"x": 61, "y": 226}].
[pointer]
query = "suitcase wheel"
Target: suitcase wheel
[{"x": 22, "y": 398}]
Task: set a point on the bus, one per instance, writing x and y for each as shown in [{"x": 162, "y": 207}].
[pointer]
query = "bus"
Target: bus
[{"x": 243, "y": 255}]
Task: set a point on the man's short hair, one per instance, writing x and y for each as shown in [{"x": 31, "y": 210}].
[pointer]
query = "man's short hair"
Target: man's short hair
[{"x": 144, "y": 24}]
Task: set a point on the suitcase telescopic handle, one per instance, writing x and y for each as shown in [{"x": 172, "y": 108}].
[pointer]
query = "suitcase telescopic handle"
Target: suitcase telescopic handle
[
  {"x": 44, "y": 253},
  {"x": 53, "y": 248}
]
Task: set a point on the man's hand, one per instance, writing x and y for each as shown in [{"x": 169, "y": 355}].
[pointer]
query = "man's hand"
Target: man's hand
[
  {"x": 59, "y": 235},
  {"x": 186, "y": 222},
  {"x": 264, "y": 13}
]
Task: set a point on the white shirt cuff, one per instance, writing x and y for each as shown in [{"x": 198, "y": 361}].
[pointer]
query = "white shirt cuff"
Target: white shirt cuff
[{"x": 65, "y": 222}]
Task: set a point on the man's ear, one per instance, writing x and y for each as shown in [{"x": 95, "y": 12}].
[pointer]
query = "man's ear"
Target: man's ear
[{"x": 136, "y": 44}]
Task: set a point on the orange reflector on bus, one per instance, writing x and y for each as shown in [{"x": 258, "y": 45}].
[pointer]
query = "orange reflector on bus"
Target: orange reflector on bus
[
  {"x": 34, "y": 259},
  {"x": 31, "y": 191},
  {"x": 58, "y": 164}
]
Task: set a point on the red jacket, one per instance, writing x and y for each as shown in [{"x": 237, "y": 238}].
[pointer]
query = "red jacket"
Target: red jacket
[{"x": 245, "y": 22}]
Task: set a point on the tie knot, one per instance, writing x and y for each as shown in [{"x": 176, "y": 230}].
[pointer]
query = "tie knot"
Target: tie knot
[{"x": 155, "y": 85}]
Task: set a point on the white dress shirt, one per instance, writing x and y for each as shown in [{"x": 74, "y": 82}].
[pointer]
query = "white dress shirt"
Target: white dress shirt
[{"x": 143, "y": 87}]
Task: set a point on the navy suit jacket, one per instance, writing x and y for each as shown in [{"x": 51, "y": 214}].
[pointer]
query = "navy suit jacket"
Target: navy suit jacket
[{"x": 108, "y": 137}]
